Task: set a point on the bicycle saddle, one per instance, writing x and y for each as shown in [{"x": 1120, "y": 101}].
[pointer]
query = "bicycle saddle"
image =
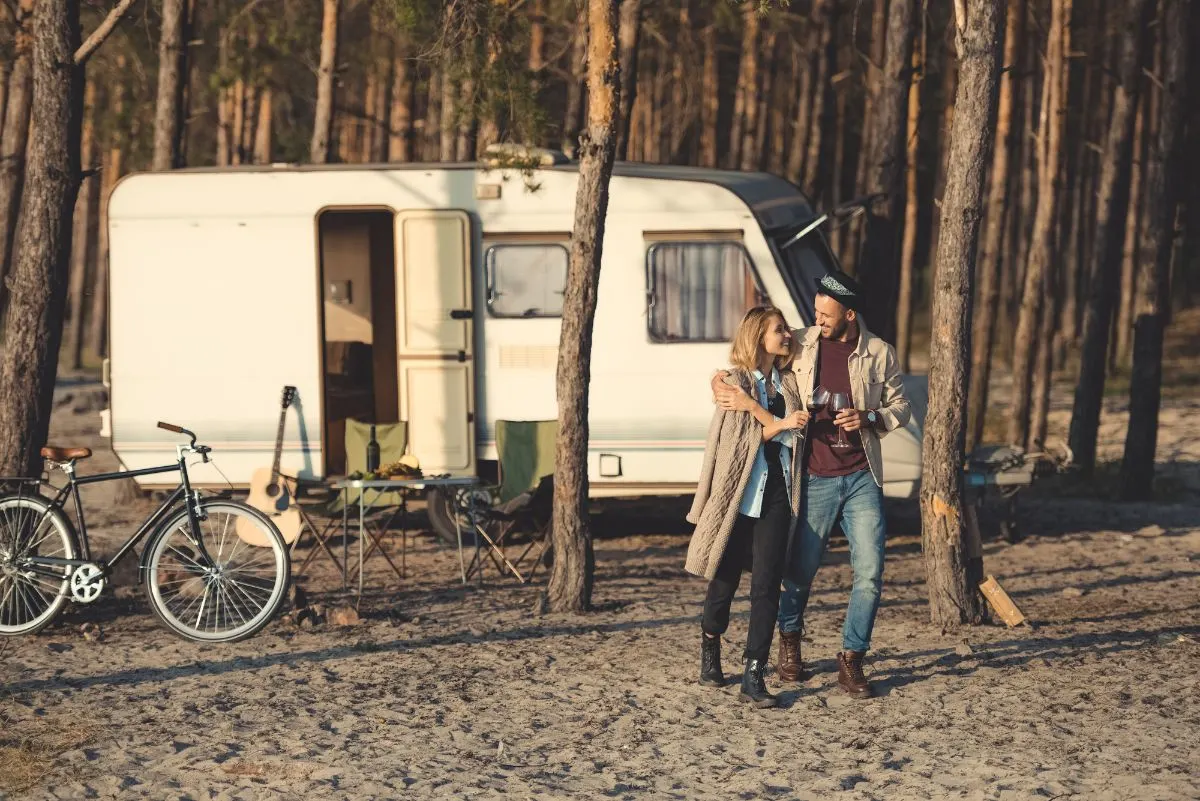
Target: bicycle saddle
[{"x": 65, "y": 454}]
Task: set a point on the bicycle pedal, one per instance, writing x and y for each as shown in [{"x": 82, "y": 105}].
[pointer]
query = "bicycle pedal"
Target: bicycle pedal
[{"x": 87, "y": 582}]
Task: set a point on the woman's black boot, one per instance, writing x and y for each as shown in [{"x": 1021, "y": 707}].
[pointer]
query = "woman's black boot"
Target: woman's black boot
[
  {"x": 754, "y": 688},
  {"x": 710, "y": 661}
]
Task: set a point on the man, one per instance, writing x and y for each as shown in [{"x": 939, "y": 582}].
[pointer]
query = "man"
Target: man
[{"x": 844, "y": 474}]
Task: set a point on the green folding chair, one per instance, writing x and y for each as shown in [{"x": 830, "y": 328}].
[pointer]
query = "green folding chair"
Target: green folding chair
[
  {"x": 385, "y": 505},
  {"x": 523, "y": 498}
]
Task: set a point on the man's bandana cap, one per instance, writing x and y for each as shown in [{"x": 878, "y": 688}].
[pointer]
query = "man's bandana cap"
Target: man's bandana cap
[{"x": 842, "y": 288}]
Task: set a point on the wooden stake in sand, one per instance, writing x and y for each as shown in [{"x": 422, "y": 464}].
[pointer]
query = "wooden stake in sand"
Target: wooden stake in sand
[{"x": 1000, "y": 602}]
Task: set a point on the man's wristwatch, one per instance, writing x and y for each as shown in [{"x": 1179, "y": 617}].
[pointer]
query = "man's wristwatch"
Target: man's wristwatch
[{"x": 872, "y": 418}]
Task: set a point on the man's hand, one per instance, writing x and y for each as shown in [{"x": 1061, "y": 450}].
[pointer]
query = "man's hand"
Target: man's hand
[
  {"x": 735, "y": 399},
  {"x": 797, "y": 419},
  {"x": 851, "y": 419}
]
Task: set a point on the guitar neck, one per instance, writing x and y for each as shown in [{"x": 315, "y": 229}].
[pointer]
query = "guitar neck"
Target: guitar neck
[{"x": 278, "y": 445}]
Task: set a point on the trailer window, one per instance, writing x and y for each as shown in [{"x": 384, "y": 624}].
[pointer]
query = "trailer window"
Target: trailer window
[
  {"x": 526, "y": 280},
  {"x": 699, "y": 291}
]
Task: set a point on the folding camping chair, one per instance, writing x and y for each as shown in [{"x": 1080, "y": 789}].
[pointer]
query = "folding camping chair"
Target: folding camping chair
[
  {"x": 523, "y": 498},
  {"x": 384, "y": 506}
]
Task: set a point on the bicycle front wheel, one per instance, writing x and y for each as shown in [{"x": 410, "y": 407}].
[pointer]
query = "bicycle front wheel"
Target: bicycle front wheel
[
  {"x": 229, "y": 596},
  {"x": 31, "y": 595}
]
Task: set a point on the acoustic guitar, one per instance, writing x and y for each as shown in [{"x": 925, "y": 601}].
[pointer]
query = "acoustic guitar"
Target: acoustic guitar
[{"x": 273, "y": 493}]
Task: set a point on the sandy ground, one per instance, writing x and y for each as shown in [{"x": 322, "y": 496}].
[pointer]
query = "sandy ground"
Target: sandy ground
[{"x": 450, "y": 691}]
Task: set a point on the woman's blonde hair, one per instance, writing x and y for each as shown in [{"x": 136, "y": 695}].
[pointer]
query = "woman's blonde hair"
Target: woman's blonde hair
[{"x": 747, "y": 342}]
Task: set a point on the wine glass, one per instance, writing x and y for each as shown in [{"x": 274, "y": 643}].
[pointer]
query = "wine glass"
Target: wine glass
[
  {"x": 820, "y": 399},
  {"x": 837, "y": 402}
]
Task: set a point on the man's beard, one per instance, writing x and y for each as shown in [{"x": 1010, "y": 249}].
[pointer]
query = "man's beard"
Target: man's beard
[{"x": 838, "y": 331}]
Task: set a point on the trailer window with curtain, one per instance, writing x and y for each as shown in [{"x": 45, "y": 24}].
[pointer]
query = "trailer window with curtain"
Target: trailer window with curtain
[
  {"x": 699, "y": 291},
  {"x": 526, "y": 279}
]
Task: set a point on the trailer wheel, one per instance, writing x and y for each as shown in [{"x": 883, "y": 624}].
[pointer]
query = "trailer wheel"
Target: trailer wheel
[{"x": 439, "y": 505}]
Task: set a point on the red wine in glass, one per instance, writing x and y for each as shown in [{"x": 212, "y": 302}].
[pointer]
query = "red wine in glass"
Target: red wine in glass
[
  {"x": 837, "y": 402},
  {"x": 820, "y": 399}
]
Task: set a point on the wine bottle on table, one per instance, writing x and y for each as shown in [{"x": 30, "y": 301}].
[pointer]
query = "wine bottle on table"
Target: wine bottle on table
[{"x": 372, "y": 452}]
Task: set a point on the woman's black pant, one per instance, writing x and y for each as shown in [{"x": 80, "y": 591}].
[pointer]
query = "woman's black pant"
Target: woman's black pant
[{"x": 759, "y": 544}]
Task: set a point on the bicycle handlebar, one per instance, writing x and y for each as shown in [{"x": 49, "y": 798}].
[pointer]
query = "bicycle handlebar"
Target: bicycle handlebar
[{"x": 169, "y": 427}]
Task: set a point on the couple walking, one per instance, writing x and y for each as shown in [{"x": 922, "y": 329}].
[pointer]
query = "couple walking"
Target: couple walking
[{"x": 779, "y": 453}]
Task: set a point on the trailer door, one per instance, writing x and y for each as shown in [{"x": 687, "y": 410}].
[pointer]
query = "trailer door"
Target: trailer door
[{"x": 434, "y": 338}]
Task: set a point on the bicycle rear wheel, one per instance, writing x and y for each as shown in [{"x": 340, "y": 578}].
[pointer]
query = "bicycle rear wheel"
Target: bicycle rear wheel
[
  {"x": 32, "y": 596},
  {"x": 235, "y": 596}
]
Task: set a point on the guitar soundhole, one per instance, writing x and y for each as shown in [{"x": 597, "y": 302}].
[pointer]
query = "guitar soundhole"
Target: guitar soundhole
[{"x": 272, "y": 490}]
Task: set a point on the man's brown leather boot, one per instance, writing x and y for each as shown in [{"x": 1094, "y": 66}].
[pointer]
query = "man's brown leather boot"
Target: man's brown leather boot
[
  {"x": 850, "y": 674},
  {"x": 791, "y": 667}
]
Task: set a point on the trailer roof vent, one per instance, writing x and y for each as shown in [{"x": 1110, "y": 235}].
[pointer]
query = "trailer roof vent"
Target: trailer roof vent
[{"x": 508, "y": 154}]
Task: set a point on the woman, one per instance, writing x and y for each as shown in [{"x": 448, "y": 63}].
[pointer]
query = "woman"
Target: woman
[{"x": 747, "y": 497}]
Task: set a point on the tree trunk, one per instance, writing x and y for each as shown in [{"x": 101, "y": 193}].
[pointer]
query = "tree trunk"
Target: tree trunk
[
  {"x": 570, "y": 587},
  {"x": 110, "y": 173},
  {"x": 450, "y": 112},
  {"x": 575, "y": 84},
  {"x": 379, "y": 120},
  {"x": 1043, "y": 369},
  {"x": 1112, "y": 199},
  {"x": 431, "y": 148},
  {"x": 537, "y": 36},
  {"x": 630, "y": 31},
  {"x": 710, "y": 99},
  {"x": 680, "y": 108},
  {"x": 5, "y": 73},
  {"x": 908, "y": 248},
  {"x": 953, "y": 558},
  {"x": 1163, "y": 171},
  {"x": 238, "y": 131},
  {"x": 400, "y": 144},
  {"x": 984, "y": 328},
  {"x": 1041, "y": 250},
  {"x": 172, "y": 67},
  {"x": 33, "y": 326},
  {"x": 755, "y": 157},
  {"x": 745, "y": 104},
  {"x": 85, "y": 208},
  {"x": 806, "y": 76},
  {"x": 466, "y": 121},
  {"x": 878, "y": 268},
  {"x": 1123, "y": 324},
  {"x": 323, "y": 114},
  {"x": 17, "y": 115},
  {"x": 263, "y": 129},
  {"x": 824, "y": 16}
]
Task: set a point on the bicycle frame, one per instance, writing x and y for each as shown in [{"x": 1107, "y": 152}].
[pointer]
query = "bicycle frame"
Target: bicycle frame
[{"x": 183, "y": 492}]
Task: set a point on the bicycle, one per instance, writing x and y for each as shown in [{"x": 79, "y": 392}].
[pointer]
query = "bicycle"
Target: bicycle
[{"x": 202, "y": 580}]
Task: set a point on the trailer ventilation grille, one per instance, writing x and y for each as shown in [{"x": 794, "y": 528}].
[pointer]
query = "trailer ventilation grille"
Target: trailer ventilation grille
[{"x": 536, "y": 357}]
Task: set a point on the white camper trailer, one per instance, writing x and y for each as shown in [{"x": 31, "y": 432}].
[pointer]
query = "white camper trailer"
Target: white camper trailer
[{"x": 431, "y": 294}]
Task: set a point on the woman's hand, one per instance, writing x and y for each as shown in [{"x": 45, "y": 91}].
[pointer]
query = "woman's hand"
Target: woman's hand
[
  {"x": 735, "y": 399},
  {"x": 797, "y": 419}
]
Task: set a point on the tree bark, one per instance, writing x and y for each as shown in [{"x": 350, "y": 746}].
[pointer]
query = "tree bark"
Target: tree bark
[
  {"x": 878, "y": 268},
  {"x": 264, "y": 127},
  {"x": 630, "y": 31},
  {"x": 745, "y": 104},
  {"x": 431, "y": 146},
  {"x": 110, "y": 173},
  {"x": 400, "y": 144},
  {"x": 984, "y": 329},
  {"x": 33, "y": 326},
  {"x": 1154, "y": 267},
  {"x": 323, "y": 115},
  {"x": 571, "y": 577},
  {"x": 824, "y": 16},
  {"x": 575, "y": 84},
  {"x": 1123, "y": 324},
  {"x": 1041, "y": 250},
  {"x": 172, "y": 67},
  {"x": 953, "y": 560},
  {"x": 709, "y": 99},
  {"x": 908, "y": 247},
  {"x": 1043, "y": 370},
  {"x": 14, "y": 142},
  {"x": 1112, "y": 200},
  {"x": 755, "y": 157},
  {"x": 466, "y": 121},
  {"x": 85, "y": 209}
]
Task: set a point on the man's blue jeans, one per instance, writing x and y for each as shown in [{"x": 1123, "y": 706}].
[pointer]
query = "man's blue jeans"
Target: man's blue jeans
[{"x": 857, "y": 503}]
